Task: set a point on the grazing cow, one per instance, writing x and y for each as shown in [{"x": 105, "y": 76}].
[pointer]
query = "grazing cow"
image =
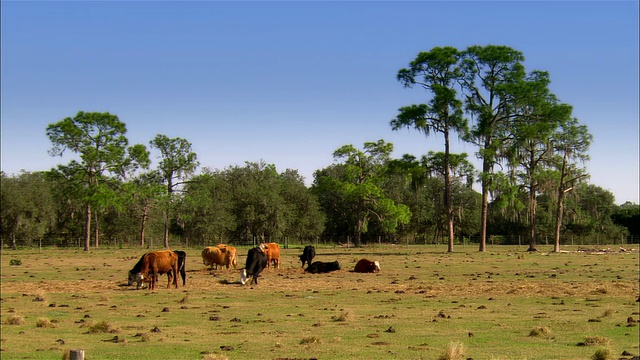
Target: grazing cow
[
  {"x": 182, "y": 260},
  {"x": 273, "y": 254},
  {"x": 213, "y": 255},
  {"x": 134, "y": 274},
  {"x": 256, "y": 262},
  {"x": 308, "y": 254},
  {"x": 155, "y": 263},
  {"x": 367, "y": 266},
  {"x": 233, "y": 254},
  {"x": 323, "y": 267}
]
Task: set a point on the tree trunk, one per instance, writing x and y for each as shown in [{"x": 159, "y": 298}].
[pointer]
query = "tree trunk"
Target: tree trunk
[
  {"x": 532, "y": 216},
  {"x": 447, "y": 191},
  {"x": 87, "y": 229},
  {"x": 560, "y": 208},
  {"x": 166, "y": 228},
  {"x": 145, "y": 214},
  {"x": 96, "y": 230},
  {"x": 486, "y": 168}
]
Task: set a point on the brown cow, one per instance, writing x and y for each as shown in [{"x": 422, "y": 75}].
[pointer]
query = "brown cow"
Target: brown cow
[
  {"x": 273, "y": 253},
  {"x": 233, "y": 255},
  {"x": 213, "y": 255},
  {"x": 367, "y": 266},
  {"x": 159, "y": 262}
]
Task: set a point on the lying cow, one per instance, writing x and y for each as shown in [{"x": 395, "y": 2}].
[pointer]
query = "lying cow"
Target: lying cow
[
  {"x": 308, "y": 254},
  {"x": 273, "y": 253},
  {"x": 367, "y": 266},
  {"x": 256, "y": 262},
  {"x": 153, "y": 264},
  {"x": 323, "y": 267},
  {"x": 213, "y": 255}
]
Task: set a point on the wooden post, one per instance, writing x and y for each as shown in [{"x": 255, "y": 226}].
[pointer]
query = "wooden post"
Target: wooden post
[{"x": 76, "y": 354}]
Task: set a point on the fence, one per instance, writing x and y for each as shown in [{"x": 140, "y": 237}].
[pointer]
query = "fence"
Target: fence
[{"x": 595, "y": 240}]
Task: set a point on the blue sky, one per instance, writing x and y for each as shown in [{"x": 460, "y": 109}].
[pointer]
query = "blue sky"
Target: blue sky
[{"x": 290, "y": 82}]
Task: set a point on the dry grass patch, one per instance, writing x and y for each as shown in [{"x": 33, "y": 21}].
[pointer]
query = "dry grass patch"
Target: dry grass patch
[
  {"x": 595, "y": 341},
  {"x": 455, "y": 351},
  {"x": 541, "y": 331},
  {"x": 45, "y": 323},
  {"x": 102, "y": 327},
  {"x": 345, "y": 316},
  {"x": 14, "y": 320},
  {"x": 309, "y": 340}
]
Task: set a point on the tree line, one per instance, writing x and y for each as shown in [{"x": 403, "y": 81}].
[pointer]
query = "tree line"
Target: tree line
[{"x": 532, "y": 150}]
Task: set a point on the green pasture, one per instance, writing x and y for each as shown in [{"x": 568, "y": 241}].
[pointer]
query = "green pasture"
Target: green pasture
[{"x": 502, "y": 304}]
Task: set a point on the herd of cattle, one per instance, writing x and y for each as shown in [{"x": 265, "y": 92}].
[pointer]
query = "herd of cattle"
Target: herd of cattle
[{"x": 172, "y": 262}]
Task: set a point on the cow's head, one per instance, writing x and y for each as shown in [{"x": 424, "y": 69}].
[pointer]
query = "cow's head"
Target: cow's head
[
  {"x": 377, "y": 264},
  {"x": 132, "y": 278},
  {"x": 137, "y": 279},
  {"x": 243, "y": 276}
]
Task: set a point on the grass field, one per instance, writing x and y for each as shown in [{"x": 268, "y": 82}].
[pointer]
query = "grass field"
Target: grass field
[{"x": 424, "y": 304}]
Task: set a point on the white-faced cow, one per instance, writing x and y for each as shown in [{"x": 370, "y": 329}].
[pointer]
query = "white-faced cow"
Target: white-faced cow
[
  {"x": 308, "y": 254},
  {"x": 135, "y": 276},
  {"x": 256, "y": 262},
  {"x": 153, "y": 264},
  {"x": 366, "y": 266}
]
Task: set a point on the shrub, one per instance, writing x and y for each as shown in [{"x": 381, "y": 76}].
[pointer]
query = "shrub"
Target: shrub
[{"x": 15, "y": 262}]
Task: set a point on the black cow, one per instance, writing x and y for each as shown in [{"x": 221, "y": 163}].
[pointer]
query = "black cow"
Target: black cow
[
  {"x": 308, "y": 254},
  {"x": 256, "y": 262},
  {"x": 323, "y": 267},
  {"x": 182, "y": 260}
]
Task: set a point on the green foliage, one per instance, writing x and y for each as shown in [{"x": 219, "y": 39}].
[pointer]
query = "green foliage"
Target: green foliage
[{"x": 100, "y": 142}]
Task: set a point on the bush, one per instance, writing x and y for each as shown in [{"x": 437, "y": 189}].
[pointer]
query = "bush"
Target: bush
[{"x": 15, "y": 262}]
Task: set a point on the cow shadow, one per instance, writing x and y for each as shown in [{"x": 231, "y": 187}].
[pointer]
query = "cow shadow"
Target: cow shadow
[{"x": 227, "y": 282}]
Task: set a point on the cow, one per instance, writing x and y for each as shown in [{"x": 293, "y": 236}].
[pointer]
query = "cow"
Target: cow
[
  {"x": 213, "y": 255},
  {"x": 322, "y": 267},
  {"x": 308, "y": 254},
  {"x": 153, "y": 264},
  {"x": 366, "y": 266},
  {"x": 182, "y": 261},
  {"x": 273, "y": 254},
  {"x": 256, "y": 262},
  {"x": 233, "y": 255}
]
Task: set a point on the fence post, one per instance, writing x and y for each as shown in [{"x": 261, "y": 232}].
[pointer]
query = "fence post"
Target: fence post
[{"x": 76, "y": 354}]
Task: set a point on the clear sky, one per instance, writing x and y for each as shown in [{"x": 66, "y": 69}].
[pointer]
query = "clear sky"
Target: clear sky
[{"x": 290, "y": 82}]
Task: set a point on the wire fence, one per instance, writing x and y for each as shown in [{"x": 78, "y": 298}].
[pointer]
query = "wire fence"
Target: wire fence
[{"x": 346, "y": 241}]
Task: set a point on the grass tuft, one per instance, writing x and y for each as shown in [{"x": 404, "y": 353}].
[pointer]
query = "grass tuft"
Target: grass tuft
[
  {"x": 345, "y": 316},
  {"x": 211, "y": 356},
  {"x": 14, "y": 320},
  {"x": 601, "y": 354},
  {"x": 455, "y": 351},
  {"x": 309, "y": 340},
  {"x": 101, "y": 327},
  {"x": 45, "y": 323},
  {"x": 596, "y": 341},
  {"x": 541, "y": 331}
]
